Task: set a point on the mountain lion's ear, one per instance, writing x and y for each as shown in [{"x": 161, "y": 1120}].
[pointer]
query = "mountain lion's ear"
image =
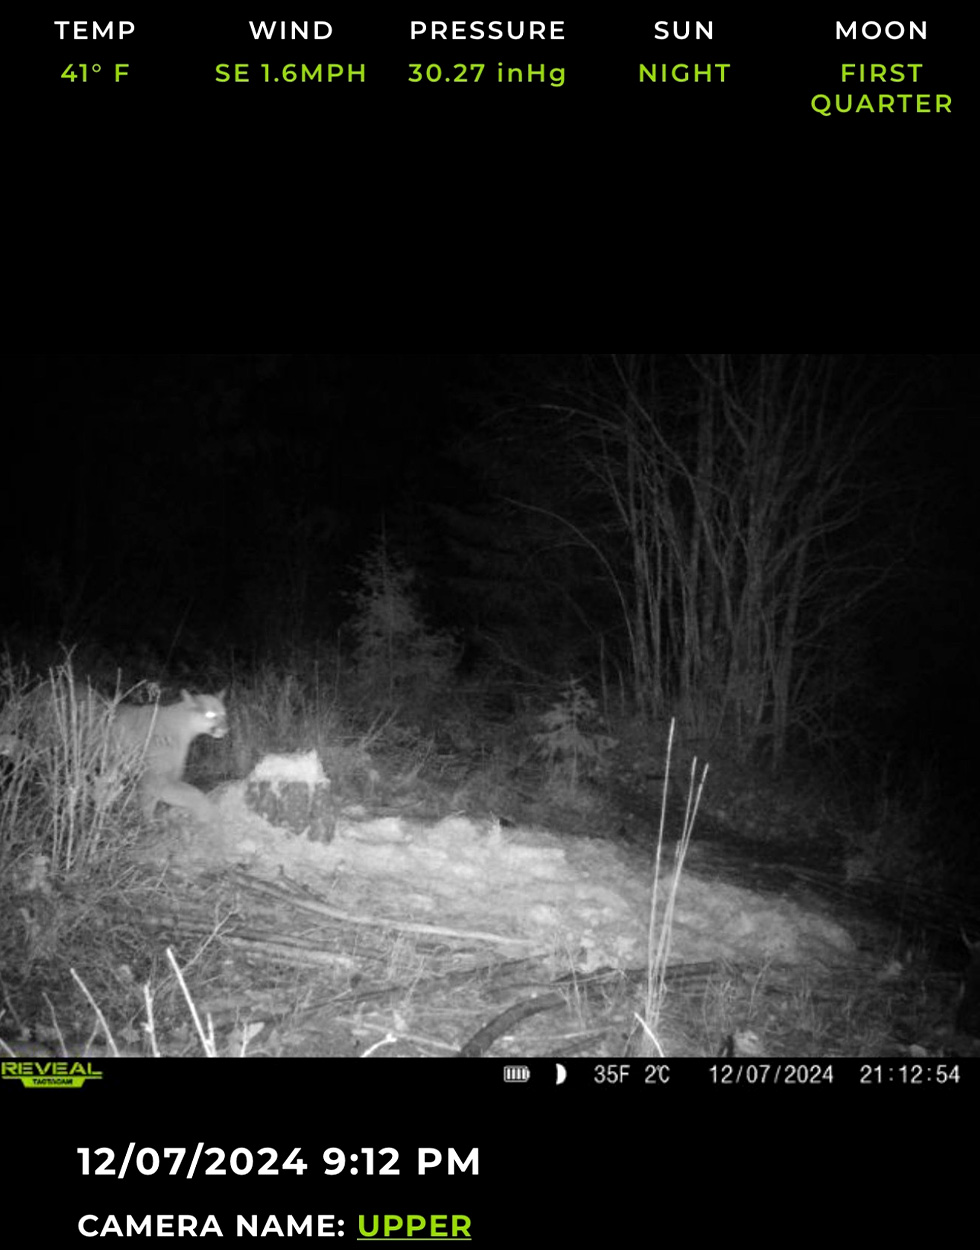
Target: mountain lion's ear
[
  {"x": 188, "y": 698},
  {"x": 220, "y": 694}
]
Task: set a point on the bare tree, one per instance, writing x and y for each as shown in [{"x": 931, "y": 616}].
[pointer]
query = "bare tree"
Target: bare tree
[{"x": 737, "y": 484}]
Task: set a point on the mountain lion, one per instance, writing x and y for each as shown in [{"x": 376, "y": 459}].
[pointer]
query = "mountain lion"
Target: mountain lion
[{"x": 162, "y": 737}]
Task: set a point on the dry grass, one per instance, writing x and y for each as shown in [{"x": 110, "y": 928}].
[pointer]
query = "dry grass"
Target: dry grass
[{"x": 103, "y": 957}]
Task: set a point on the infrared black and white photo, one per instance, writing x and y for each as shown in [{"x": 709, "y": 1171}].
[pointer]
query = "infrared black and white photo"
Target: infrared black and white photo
[{"x": 490, "y": 705}]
